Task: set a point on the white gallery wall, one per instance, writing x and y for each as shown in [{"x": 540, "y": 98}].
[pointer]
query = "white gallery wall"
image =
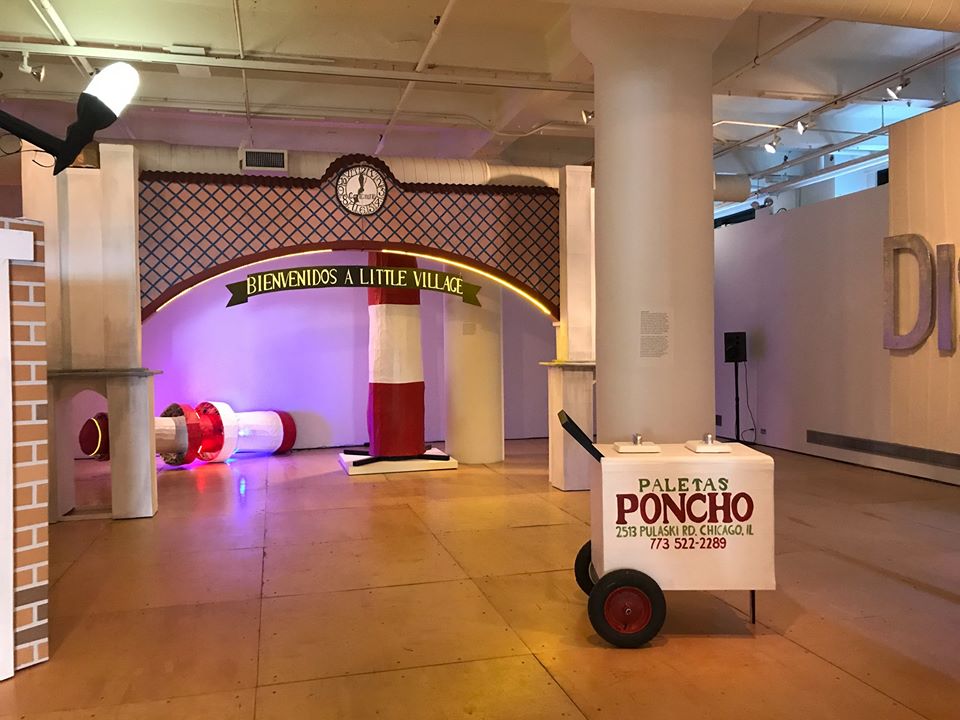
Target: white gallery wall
[{"x": 807, "y": 287}]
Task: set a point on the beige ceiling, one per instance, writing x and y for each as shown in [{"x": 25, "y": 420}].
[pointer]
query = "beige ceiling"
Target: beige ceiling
[{"x": 504, "y": 42}]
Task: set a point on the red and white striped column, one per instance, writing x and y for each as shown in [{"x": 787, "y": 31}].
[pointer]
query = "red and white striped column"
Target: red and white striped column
[{"x": 395, "y": 405}]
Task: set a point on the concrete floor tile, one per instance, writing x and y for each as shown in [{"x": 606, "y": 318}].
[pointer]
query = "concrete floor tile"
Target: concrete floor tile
[
  {"x": 502, "y": 689},
  {"x": 489, "y": 512},
  {"x": 355, "y": 564},
  {"x": 574, "y": 502},
  {"x": 218, "y": 706},
  {"x": 723, "y": 678},
  {"x": 161, "y": 535},
  {"x": 99, "y": 583},
  {"x": 305, "y": 637},
  {"x": 516, "y": 550},
  {"x": 126, "y": 657},
  {"x": 331, "y": 525}
]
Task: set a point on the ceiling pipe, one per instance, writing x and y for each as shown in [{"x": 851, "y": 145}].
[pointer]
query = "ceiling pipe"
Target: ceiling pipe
[
  {"x": 421, "y": 65},
  {"x": 731, "y": 188},
  {"x": 841, "y": 99},
  {"x": 775, "y": 50},
  {"x": 68, "y": 38},
  {"x": 302, "y": 68},
  {"x": 243, "y": 73},
  {"x": 55, "y": 35},
  {"x": 819, "y": 152},
  {"x": 833, "y": 171}
]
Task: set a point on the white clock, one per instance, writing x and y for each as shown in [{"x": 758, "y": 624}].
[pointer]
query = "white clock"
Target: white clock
[{"x": 361, "y": 189}]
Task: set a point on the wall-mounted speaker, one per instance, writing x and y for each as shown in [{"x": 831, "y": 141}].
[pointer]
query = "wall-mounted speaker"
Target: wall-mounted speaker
[{"x": 734, "y": 347}]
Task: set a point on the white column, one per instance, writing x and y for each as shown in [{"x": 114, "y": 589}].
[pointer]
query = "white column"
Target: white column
[
  {"x": 133, "y": 463},
  {"x": 473, "y": 360},
  {"x": 570, "y": 377},
  {"x": 120, "y": 222},
  {"x": 576, "y": 339},
  {"x": 80, "y": 273},
  {"x": 654, "y": 248}
]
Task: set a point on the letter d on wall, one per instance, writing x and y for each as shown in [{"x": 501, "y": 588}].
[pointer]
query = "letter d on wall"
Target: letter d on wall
[{"x": 917, "y": 246}]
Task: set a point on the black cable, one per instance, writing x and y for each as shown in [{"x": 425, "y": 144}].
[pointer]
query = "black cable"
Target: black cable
[
  {"x": 746, "y": 383},
  {"x": 19, "y": 150}
]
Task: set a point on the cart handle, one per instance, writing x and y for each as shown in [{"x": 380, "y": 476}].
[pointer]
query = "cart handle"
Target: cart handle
[{"x": 574, "y": 431}]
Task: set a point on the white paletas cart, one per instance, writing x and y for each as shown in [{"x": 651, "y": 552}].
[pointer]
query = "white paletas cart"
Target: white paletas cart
[{"x": 694, "y": 516}]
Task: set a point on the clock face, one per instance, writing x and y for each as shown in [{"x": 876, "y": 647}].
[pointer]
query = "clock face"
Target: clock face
[{"x": 361, "y": 189}]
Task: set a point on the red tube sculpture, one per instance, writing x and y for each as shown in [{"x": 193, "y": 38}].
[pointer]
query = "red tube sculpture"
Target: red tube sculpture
[{"x": 212, "y": 432}]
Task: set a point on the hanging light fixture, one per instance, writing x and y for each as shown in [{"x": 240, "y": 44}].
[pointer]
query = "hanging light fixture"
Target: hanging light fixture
[
  {"x": 893, "y": 93},
  {"x": 38, "y": 73},
  {"x": 771, "y": 145},
  {"x": 99, "y": 106}
]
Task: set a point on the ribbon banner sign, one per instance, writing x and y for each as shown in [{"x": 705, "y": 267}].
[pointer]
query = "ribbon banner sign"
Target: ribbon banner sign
[{"x": 359, "y": 276}]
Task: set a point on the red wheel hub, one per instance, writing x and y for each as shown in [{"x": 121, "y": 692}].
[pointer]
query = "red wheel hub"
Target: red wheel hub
[{"x": 627, "y": 610}]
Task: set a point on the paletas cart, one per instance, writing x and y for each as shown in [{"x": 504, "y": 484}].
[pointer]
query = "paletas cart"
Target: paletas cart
[{"x": 694, "y": 516}]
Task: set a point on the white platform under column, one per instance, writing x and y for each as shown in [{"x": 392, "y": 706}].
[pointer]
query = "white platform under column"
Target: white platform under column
[
  {"x": 379, "y": 467},
  {"x": 570, "y": 387}
]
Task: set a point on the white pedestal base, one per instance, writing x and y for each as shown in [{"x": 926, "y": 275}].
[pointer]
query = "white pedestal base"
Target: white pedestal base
[
  {"x": 570, "y": 388},
  {"x": 347, "y": 462}
]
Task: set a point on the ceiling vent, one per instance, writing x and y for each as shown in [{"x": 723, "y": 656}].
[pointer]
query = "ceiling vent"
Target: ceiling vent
[{"x": 263, "y": 162}]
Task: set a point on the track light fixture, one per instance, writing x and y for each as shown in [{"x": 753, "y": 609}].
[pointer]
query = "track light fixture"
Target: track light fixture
[
  {"x": 893, "y": 93},
  {"x": 771, "y": 145},
  {"x": 586, "y": 116},
  {"x": 38, "y": 73},
  {"x": 99, "y": 106},
  {"x": 802, "y": 125}
]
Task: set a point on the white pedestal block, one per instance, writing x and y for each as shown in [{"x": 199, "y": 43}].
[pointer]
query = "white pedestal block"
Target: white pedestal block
[
  {"x": 570, "y": 388},
  {"x": 348, "y": 463}
]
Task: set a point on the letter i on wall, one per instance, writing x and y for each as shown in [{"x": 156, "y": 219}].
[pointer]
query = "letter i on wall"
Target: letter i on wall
[{"x": 395, "y": 405}]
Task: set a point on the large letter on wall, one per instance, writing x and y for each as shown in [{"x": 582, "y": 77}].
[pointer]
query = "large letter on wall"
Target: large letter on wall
[
  {"x": 946, "y": 334},
  {"x": 917, "y": 246}
]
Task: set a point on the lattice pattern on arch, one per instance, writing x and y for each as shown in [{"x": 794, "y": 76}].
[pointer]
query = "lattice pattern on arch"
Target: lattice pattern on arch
[{"x": 193, "y": 223}]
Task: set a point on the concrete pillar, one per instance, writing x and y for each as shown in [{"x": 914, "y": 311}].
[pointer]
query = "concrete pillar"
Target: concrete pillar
[
  {"x": 473, "y": 360},
  {"x": 570, "y": 377},
  {"x": 119, "y": 219},
  {"x": 576, "y": 338},
  {"x": 654, "y": 193},
  {"x": 133, "y": 462},
  {"x": 80, "y": 274}
]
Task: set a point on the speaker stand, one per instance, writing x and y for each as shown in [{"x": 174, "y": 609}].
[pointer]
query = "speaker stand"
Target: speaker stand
[{"x": 736, "y": 401}]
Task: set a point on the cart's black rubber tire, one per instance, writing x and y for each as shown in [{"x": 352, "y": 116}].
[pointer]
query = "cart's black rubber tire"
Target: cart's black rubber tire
[
  {"x": 583, "y": 569},
  {"x": 627, "y": 608}
]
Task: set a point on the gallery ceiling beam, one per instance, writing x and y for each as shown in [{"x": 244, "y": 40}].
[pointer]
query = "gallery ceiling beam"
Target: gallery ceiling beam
[{"x": 303, "y": 68}]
